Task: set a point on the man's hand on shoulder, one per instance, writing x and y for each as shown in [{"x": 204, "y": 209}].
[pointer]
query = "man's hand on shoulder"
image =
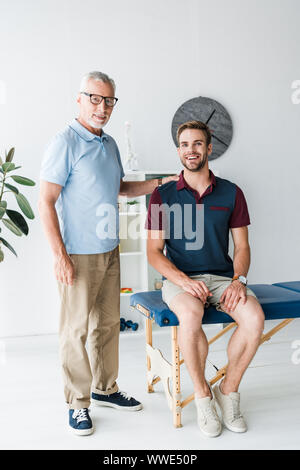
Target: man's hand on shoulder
[
  {"x": 64, "y": 269},
  {"x": 232, "y": 295},
  {"x": 167, "y": 179}
]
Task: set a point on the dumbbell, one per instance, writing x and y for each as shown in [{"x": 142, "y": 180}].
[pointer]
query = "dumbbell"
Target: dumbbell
[
  {"x": 122, "y": 324},
  {"x": 134, "y": 326},
  {"x": 130, "y": 324}
]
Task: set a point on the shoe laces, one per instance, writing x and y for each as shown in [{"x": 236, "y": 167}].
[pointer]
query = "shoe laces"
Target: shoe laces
[
  {"x": 235, "y": 410},
  {"x": 124, "y": 395},
  {"x": 208, "y": 413},
  {"x": 80, "y": 415}
]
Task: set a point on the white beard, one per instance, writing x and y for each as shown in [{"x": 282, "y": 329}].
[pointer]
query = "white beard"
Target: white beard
[{"x": 95, "y": 125}]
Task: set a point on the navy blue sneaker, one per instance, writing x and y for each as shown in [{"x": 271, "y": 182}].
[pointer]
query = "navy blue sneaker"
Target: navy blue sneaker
[
  {"x": 119, "y": 400},
  {"x": 80, "y": 422}
]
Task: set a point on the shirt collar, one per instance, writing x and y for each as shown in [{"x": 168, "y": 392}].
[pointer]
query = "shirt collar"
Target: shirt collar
[
  {"x": 85, "y": 133},
  {"x": 181, "y": 183}
]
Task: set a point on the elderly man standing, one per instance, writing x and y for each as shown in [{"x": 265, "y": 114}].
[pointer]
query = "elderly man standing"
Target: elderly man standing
[{"x": 82, "y": 173}]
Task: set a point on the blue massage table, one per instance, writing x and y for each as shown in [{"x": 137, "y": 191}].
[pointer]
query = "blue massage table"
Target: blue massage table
[{"x": 280, "y": 301}]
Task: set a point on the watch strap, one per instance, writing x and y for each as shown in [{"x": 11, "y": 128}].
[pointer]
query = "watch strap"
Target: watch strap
[{"x": 241, "y": 279}]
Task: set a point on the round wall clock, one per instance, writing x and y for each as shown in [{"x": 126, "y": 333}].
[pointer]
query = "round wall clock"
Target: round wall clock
[{"x": 212, "y": 113}]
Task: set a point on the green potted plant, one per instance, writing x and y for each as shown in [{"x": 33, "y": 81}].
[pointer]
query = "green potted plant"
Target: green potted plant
[
  {"x": 133, "y": 206},
  {"x": 11, "y": 219}
]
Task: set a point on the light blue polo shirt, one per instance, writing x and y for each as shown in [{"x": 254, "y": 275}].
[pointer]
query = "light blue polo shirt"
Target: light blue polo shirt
[{"x": 89, "y": 169}]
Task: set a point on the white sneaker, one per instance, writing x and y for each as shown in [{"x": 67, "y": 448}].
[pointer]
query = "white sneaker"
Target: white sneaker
[
  {"x": 208, "y": 419},
  {"x": 230, "y": 408}
]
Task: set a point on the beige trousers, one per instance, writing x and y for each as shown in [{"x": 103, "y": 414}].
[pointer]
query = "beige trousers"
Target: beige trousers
[
  {"x": 216, "y": 284},
  {"x": 90, "y": 312}
]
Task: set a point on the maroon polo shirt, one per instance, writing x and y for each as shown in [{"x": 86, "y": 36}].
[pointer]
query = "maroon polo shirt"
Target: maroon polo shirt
[{"x": 224, "y": 207}]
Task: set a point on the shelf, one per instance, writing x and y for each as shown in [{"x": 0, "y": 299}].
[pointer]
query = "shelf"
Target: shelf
[
  {"x": 130, "y": 293},
  {"x": 131, "y": 253},
  {"x": 128, "y": 333},
  {"x": 153, "y": 172},
  {"x": 132, "y": 213},
  {"x": 135, "y": 271},
  {"x": 134, "y": 291}
]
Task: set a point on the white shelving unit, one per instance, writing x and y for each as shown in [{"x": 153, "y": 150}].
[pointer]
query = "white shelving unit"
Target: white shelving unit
[{"x": 136, "y": 273}]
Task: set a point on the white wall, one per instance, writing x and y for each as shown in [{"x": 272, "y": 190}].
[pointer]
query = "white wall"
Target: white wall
[{"x": 244, "y": 53}]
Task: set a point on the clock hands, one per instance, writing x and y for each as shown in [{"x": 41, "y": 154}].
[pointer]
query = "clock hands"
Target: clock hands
[
  {"x": 210, "y": 116},
  {"x": 217, "y": 138},
  {"x": 214, "y": 136}
]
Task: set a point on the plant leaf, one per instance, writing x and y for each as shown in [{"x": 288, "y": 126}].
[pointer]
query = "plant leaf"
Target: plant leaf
[
  {"x": 12, "y": 188},
  {"x": 12, "y": 227},
  {"x": 1, "y": 255},
  {"x": 24, "y": 206},
  {"x": 2, "y": 212},
  {"x": 22, "y": 180},
  {"x": 1, "y": 161},
  {"x": 8, "y": 246},
  {"x": 18, "y": 220},
  {"x": 8, "y": 166},
  {"x": 10, "y": 155},
  {"x": 3, "y": 204}
]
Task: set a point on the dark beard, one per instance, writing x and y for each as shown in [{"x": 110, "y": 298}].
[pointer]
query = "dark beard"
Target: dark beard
[{"x": 200, "y": 165}]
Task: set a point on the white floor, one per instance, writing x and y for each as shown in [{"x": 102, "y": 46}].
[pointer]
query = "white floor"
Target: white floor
[{"x": 34, "y": 416}]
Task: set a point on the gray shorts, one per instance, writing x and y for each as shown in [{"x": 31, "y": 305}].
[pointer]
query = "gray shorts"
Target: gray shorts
[{"x": 216, "y": 285}]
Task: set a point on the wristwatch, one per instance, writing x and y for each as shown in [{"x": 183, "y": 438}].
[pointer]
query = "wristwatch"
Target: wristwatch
[
  {"x": 159, "y": 180},
  {"x": 242, "y": 279}
]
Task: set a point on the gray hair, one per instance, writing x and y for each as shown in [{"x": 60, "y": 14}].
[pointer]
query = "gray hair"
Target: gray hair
[{"x": 98, "y": 76}]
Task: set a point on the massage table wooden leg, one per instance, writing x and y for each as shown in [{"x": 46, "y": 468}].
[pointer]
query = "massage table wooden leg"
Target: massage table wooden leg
[
  {"x": 176, "y": 392},
  {"x": 149, "y": 341}
]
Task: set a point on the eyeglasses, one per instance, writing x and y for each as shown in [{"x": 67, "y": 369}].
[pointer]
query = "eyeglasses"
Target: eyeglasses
[{"x": 97, "y": 99}]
